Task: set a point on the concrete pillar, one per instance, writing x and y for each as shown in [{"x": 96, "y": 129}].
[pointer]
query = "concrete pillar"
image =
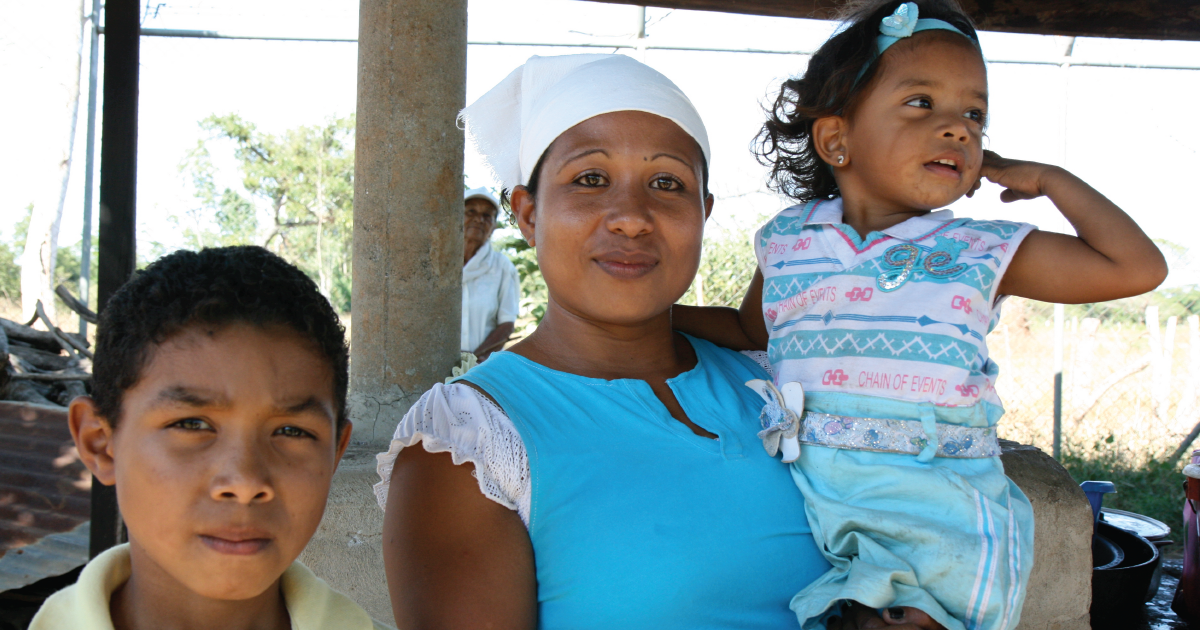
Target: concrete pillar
[
  {"x": 1060, "y": 588},
  {"x": 408, "y": 186}
]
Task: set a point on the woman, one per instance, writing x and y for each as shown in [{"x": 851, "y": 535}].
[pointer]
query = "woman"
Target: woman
[
  {"x": 606, "y": 471},
  {"x": 490, "y": 285}
]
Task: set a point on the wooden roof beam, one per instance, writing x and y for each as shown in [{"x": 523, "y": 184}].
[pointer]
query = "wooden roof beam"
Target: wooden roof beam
[{"x": 1133, "y": 19}]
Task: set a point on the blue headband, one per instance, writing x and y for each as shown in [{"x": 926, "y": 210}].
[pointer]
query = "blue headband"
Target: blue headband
[{"x": 903, "y": 23}]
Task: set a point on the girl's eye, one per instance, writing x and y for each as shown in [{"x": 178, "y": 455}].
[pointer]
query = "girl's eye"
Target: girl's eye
[
  {"x": 921, "y": 102},
  {"x": 666, "y": 183},
  {"x": 191, "y": 424},
  {"x": 292, "y": 432},
  {"x": 977, "y": 116},
  {"x": 591, "y": 180}
]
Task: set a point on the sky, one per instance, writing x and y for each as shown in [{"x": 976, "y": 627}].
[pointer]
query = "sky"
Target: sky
[{"x": 1127, "y": 131}]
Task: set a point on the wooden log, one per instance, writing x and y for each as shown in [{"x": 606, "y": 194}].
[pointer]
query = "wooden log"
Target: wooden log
[
  {"x": 40, "y": 339},
  {"x": 23, "y": 391},
  {"x": 52, "y": 377},
  {"x": 68, "y": 343},
  {"x": 74, "y": 304},
  {"x": 41, "y": 359}
]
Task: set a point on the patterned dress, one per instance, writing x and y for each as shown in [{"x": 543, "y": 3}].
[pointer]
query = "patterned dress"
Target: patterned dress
[{"x": 899, "y": 464}]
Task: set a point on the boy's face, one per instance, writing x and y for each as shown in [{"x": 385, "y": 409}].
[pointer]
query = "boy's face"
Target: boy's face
[{"x": 222, "y": 457}]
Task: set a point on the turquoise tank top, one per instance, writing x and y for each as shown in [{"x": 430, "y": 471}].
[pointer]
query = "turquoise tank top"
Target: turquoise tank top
[{"x": 637, "y": 522}]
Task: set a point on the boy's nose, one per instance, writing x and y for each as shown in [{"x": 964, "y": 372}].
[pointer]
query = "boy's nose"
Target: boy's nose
[{"x": 242, "y": 477}]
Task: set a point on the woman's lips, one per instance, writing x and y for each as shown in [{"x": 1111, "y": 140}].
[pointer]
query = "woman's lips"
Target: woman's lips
[
  {"x": 234, "y": 544},
  {"x": 626, "y": 265}
]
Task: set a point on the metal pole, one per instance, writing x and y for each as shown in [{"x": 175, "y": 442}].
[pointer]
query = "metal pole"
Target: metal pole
[
  {"x": 1058, "y": 379},
  {"x": 118, "y": 196},
  {"x": 641, "y": 34},
  {"x": 1058, "y": 308},
  {"x": 85, "y": 242}
]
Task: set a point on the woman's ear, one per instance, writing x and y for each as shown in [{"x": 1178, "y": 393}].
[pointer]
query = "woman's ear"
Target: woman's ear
[
  {"x": 93, "y": 437},
  {"x": 525, "y": 211},
  {"x": 829, "y": 139}
]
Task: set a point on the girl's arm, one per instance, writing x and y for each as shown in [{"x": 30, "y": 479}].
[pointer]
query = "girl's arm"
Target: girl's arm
[
  {"x": 740, "y": 329},
  {"x": 454, "y": 558},
  {"x": 1111, "y": 258}
]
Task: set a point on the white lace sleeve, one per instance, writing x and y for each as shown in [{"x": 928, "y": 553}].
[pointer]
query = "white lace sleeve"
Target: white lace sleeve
[
  {"x": 760, "y": 357},
  {"x": 458, "y": 419}
]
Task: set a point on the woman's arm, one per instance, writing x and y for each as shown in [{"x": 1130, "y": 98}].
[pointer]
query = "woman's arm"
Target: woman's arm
[
  {"x": 495, "y": 340},
  {"x": 454, "y": 558},
  {"x": 1111, "y": 258},
  {"x": 741, "y": 329}
]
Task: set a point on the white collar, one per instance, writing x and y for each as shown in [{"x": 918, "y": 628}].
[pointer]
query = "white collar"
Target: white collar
[{"x": 829, "y": 211}]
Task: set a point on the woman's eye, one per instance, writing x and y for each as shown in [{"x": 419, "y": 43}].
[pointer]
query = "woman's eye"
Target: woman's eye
[
  {"x": 191, "y": 424},
  {"x": 666, "y": 183},
  {"x": 292, "y": 432},
  {"x": 921, "y": 102},
  {"x": 590, "y": 179}
]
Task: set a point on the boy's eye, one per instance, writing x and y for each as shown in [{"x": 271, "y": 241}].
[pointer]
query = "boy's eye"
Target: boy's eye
[
  {"x": 922, "y": 102},
  {"x": 292, "y": 432},
  {"x": 192, "y": 424},
  {"x": 664, "y": 182},
  {"x": 977, "y": 116},
  {"x": 591, "y": 180}
]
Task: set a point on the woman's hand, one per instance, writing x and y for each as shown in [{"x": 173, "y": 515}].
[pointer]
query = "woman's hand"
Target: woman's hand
[{"x": 859, "y": 617}]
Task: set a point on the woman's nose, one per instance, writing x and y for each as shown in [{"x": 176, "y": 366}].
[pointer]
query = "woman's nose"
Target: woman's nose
[{"x": 629, "y": 214}]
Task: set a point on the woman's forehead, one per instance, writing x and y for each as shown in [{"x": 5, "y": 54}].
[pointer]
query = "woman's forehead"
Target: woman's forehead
[{"x": 625, "y": 130}]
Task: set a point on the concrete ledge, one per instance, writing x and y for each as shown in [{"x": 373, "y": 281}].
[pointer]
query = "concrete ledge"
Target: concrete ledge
[
  {"x": 1060, "y": 588},
  {"x": 347, "y": 549}
]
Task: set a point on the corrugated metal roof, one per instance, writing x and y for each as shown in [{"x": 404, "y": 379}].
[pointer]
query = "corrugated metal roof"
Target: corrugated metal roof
[{"x": 45, "y": 496}]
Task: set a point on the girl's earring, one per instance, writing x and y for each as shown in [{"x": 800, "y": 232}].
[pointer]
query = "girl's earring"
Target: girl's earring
[{"x": 841, "y": 159}]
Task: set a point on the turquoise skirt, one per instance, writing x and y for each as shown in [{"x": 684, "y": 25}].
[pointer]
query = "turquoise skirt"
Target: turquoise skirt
[{"x": 951, "y": 537}]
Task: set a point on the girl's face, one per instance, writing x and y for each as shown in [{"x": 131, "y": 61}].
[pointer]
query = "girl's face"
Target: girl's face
[
  {"x": 915, "y": 141},
  {"x": 618, "y": 217}
]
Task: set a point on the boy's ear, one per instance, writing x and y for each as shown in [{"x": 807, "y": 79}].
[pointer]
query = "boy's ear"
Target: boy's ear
[
  {"x": 343, "y": 441},
  {"x": 93, "y": 437},
  {"x": 525, "y": 212},
  {"x": 829, "y": 139},
  {"x": 708, "y": 206}
]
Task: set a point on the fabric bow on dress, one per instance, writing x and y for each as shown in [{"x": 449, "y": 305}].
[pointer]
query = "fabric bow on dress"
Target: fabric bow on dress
[{"x": 780, "y": 417}]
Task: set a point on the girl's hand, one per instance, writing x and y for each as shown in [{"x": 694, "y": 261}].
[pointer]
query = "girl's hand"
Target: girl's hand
[
  {"x": 1020, "y": 179},
  {"x": 859, "y": 617}
]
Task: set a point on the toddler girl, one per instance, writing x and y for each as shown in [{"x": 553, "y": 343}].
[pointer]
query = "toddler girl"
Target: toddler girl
[{"x": 874, "y": 309}]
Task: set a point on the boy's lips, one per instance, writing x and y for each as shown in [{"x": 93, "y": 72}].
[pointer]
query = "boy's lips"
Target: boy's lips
[
  {"x": 236, "y": 543},
  {"x": 626, "y": 265}
]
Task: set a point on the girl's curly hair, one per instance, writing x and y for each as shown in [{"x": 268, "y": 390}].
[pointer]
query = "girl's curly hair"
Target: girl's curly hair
[{"x": 831, "y": 86}]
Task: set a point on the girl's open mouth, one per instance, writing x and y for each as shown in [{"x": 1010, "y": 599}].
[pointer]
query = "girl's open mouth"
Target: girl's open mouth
[{"x": 944, "y": 166}]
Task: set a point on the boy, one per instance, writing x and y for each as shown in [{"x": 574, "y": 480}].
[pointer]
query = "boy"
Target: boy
[{"x": 219, "y": 413}]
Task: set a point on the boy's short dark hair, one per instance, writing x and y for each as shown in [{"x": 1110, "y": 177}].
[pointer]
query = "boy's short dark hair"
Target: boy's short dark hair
[{"x": 213, "y": 286}]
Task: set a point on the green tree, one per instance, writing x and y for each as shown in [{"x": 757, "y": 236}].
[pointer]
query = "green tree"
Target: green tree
[{"x": 299, "y": 189}]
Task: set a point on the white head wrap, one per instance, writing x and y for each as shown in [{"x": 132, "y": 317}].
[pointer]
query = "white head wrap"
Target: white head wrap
[
  {"x": 482, "y": 193},
  {"x": 514, "y": 123}
]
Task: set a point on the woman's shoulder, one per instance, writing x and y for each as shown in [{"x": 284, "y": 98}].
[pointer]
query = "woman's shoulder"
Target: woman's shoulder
[{"x": 458, "y": 419}]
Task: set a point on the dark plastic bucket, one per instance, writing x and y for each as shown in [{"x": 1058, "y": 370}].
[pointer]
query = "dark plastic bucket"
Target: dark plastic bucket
[{"x": 1120, "y": 592}]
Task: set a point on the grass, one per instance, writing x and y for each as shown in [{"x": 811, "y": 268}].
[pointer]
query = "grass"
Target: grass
[{"x": 1153, "y": 488}]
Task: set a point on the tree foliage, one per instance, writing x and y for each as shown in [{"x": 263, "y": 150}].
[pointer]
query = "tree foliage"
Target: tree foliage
[{"x": 296, "y": 197}]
